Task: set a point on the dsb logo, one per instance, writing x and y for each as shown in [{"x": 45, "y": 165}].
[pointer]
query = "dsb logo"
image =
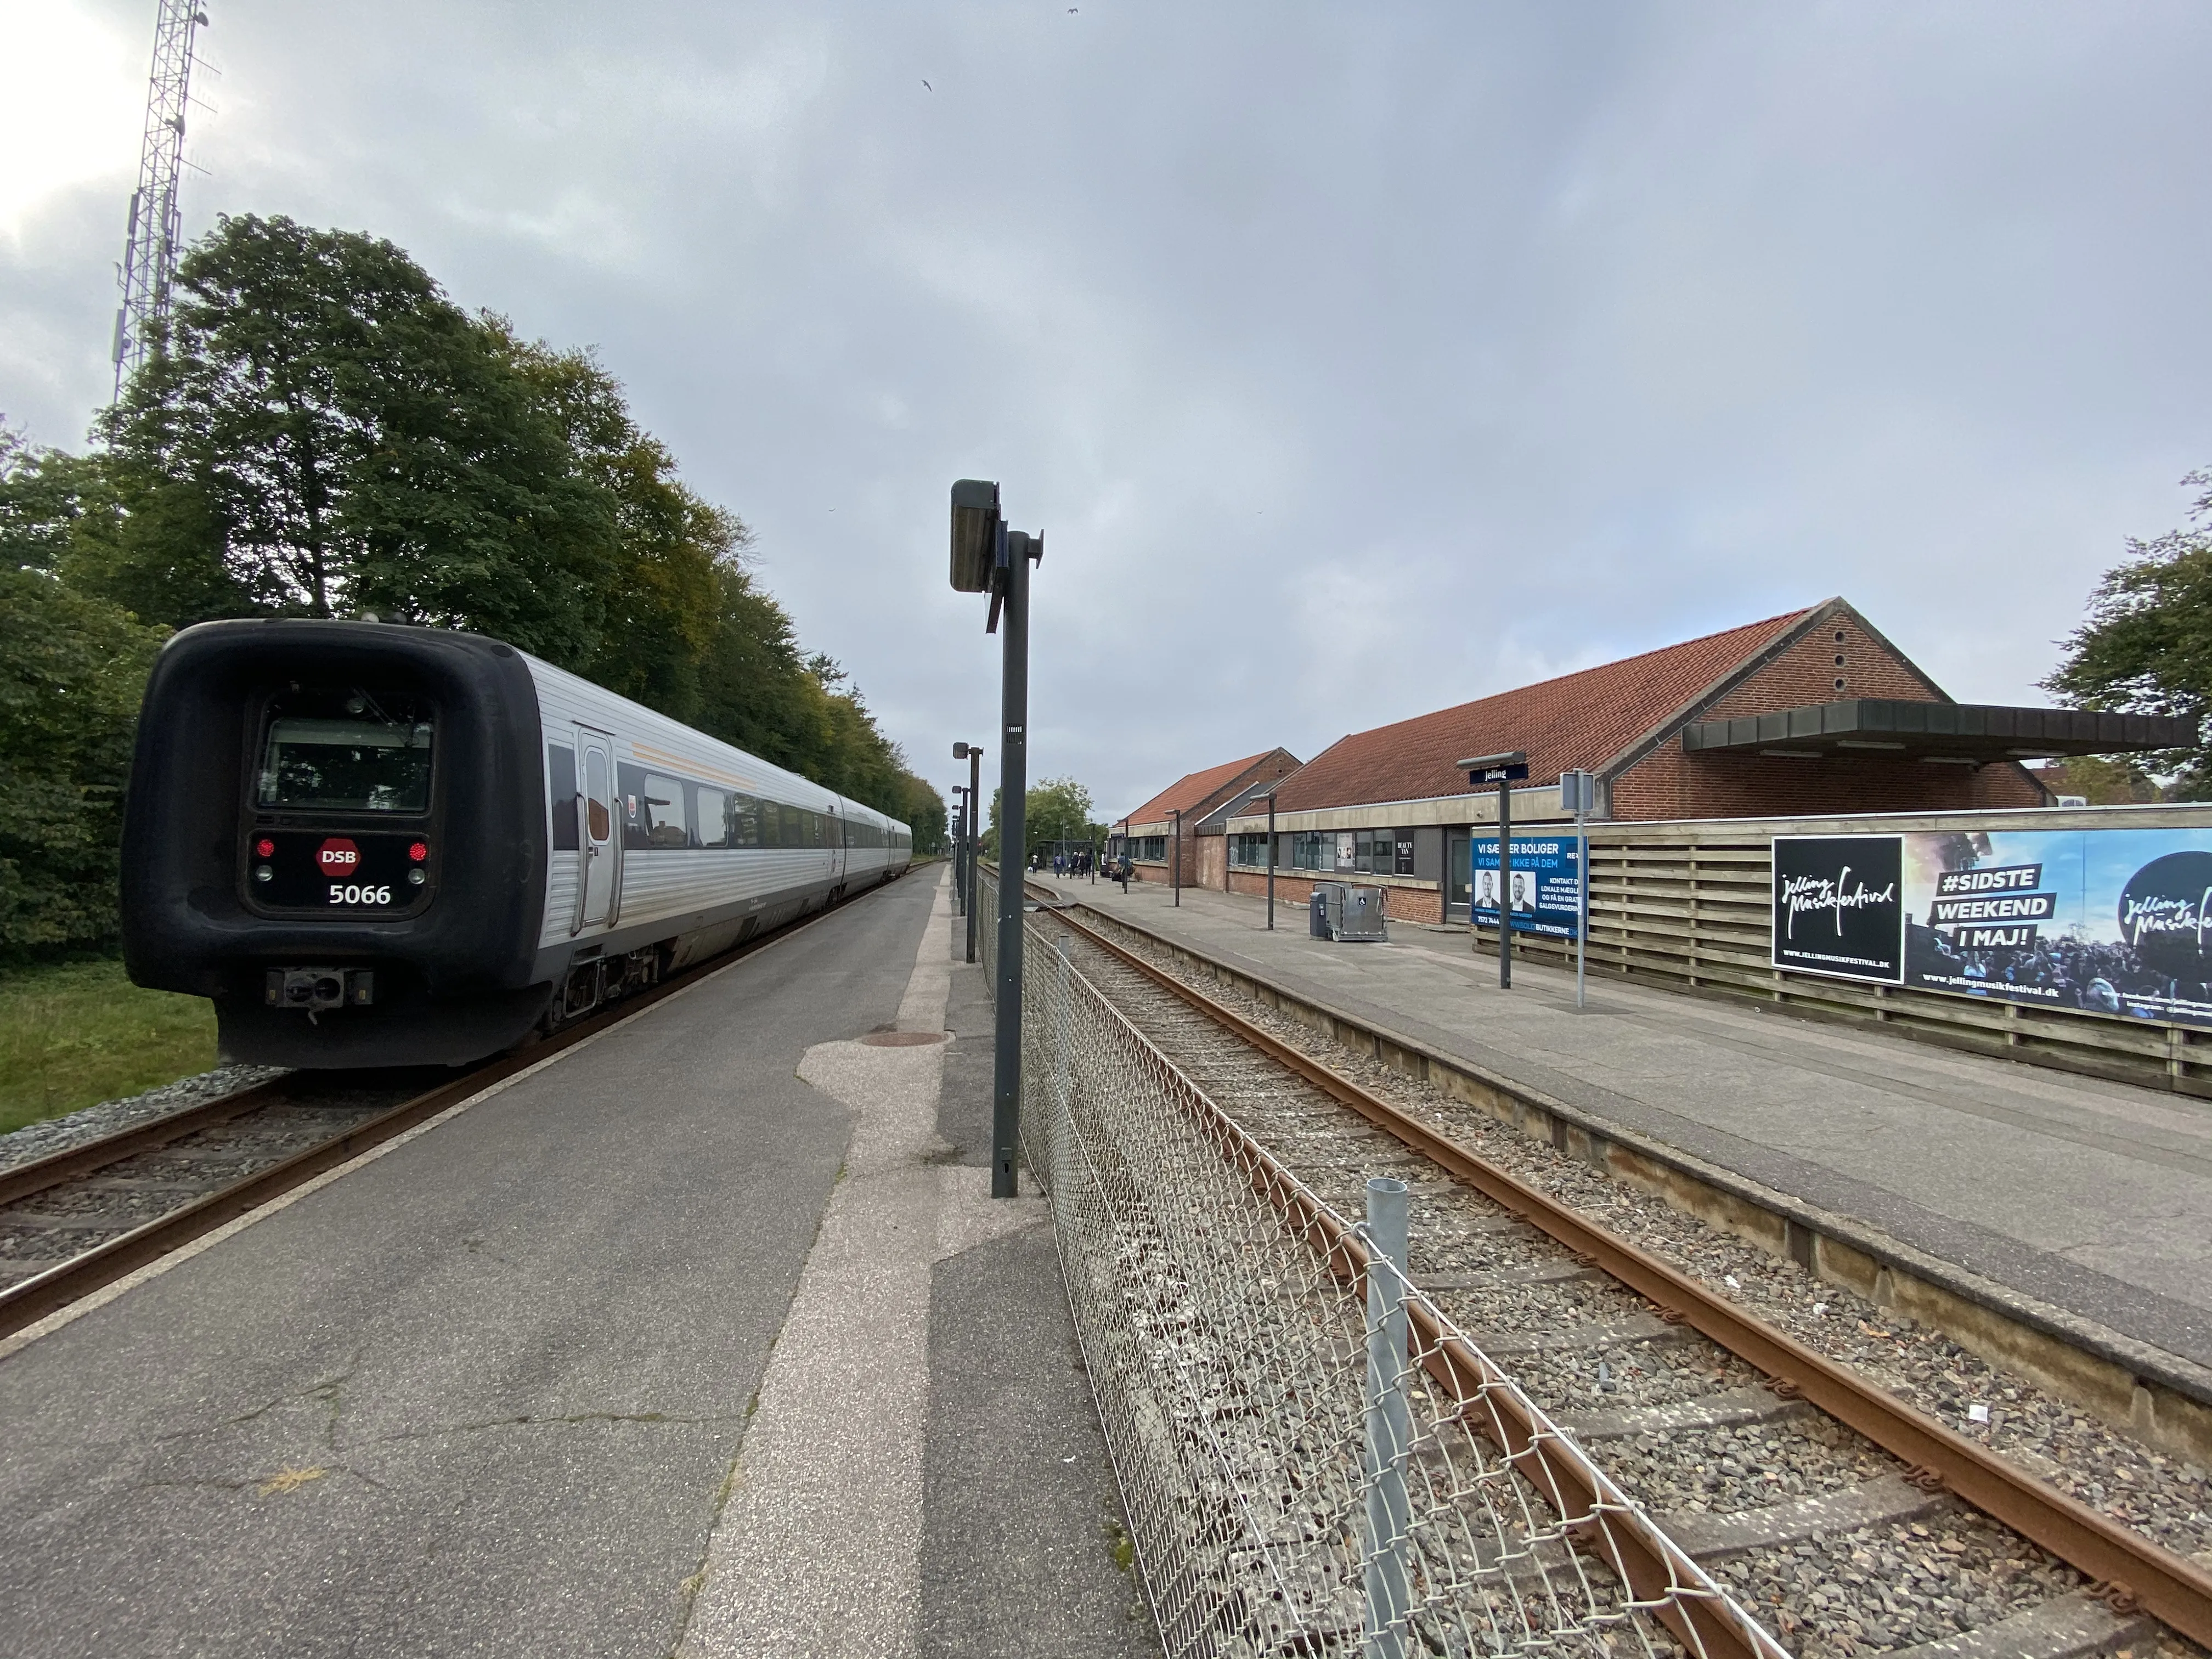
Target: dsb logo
[{"x": 339, "y": 856}]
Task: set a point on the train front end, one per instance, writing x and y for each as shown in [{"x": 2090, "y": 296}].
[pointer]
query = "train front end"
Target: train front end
[{"x": 336, "y": 832}]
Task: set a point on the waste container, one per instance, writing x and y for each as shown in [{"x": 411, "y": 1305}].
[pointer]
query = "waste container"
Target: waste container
[
  {"x": 1362, "y": 920},
  {"x": 1326, "y": 908}
]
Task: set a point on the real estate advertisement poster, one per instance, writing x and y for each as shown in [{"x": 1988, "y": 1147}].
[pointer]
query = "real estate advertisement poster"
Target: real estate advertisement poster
[
  {"x": 2112, "y": 921},
  {"x": 1546, "y": 885}
]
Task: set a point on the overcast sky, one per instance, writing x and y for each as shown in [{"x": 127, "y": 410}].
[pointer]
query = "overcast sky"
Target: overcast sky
[{"x": 1356, "y": 361}]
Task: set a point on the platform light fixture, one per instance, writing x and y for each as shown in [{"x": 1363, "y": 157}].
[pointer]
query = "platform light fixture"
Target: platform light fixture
[{"x": 988, "y": 558}]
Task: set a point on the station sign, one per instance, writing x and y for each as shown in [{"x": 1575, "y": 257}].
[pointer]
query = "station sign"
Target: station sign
[{"x": 2110, "y": 921}]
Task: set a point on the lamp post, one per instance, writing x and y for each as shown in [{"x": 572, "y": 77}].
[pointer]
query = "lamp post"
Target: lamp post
[
  {"x": 973, "y": 754},
  {"x": 1271, "y": 861},
  {"x": 1504, "y": 770},
  {"x": 986, "y": 556},
  {"x": 1175, "y": 869},
  {"x": 960, "y": 846}
]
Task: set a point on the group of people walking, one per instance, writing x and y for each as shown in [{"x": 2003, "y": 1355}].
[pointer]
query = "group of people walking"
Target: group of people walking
[{"x": 1083, "y": 863}]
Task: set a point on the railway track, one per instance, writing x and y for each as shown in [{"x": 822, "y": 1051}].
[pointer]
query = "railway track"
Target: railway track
[
  {"x": 1858, "y": 1524},
  {"x": 81, "y": 1218}
]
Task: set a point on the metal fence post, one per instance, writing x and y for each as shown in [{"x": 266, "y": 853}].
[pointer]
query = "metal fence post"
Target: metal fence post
[{"x": 1389, "y": 1438}]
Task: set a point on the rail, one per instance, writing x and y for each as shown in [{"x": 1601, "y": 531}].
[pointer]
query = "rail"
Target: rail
[
  {"x": 1219, "y": 1304},
  {"x": 31, "y": 1299},
  {"x": 2131, "y": 1569}
]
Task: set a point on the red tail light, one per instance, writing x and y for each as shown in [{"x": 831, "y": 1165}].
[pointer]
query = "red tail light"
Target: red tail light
[{"x": 419, "y": 851}]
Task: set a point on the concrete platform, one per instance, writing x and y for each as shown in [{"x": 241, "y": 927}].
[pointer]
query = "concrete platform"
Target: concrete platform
[
  {"x": 2092, "y": 1197},
  {"x": 703, "y": 1338}
]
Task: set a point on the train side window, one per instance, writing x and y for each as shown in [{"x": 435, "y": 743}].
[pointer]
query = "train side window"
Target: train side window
[
  {"x": 560, "y": 794},
  {"x": 600, "y": 825},
  {"x": 793, "y": 832},
  {"x": 713, "y": 818},
  {"x": 630, "y": 781},
  {"x": 662, "y": 815},
  {"x": 745, "y": 821}
]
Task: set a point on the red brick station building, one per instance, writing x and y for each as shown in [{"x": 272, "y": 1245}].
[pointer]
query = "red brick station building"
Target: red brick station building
[{"x": 1810, "y": 712}]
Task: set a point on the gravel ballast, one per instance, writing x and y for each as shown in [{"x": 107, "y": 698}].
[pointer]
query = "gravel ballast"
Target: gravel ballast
[{"x": 57, "y": 1135}]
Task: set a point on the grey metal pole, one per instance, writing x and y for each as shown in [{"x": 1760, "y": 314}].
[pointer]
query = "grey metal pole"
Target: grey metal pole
[
  {"x": 1013, "y": 845},
  {"x": 1271, "y": 864},
  {"x": 1389, "y": 1437},
  {"x": 1505, "y": 885},
  {"x": 1582, "y": 889},
  {"x": 975, "y": 835},
  {"x": 959, "y": 852},
  {"x": 1175, "y": 869}
]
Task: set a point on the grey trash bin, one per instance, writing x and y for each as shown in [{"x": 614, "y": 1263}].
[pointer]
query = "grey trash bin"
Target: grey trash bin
[
  {"x": 1362, "y": 920},
  {"x": 1328, "y": 912}
]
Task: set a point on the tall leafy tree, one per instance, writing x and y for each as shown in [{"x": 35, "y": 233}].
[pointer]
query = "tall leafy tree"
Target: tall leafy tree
[
  {"x": 322, "y": 432},
  {"x": 2146, "y": 647},
  {"x": 1054, "y": 809},
  {"x": 72, "y": 669}
]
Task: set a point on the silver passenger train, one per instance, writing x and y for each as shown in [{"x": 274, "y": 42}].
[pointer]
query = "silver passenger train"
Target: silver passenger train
[{"x": 377, "y": 846}]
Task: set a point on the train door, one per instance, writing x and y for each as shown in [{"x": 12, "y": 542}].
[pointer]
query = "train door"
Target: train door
[
  {"x": 602, "y": 851},
  {"x": 838, "y": 854}
]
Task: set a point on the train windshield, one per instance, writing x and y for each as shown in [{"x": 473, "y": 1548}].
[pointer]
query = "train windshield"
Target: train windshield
[{"x": 347, "y": 752}]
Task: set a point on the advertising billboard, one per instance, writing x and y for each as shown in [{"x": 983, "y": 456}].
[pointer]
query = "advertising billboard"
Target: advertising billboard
[
  {"x": 1547, "y": 893},
  {"x": 2113, "y": 921}
]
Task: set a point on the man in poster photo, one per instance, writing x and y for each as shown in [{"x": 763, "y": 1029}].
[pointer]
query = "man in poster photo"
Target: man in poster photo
[{"x": 1524, "y": 891}]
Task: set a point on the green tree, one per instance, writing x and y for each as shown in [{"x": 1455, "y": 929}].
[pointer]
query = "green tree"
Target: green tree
[
  {"x": 321, "y": 431},
  {"x": 2102, "y": 780},
  {"x": 1055, "y": 809},
  {"x": 2146, "y": 645},
  {"x": 72, "y": 670},
  {"x": 668, "y": 546}
]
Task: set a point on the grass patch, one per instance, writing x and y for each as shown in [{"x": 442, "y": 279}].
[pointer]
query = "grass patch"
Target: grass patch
[{"x": 78, "y": 1033}]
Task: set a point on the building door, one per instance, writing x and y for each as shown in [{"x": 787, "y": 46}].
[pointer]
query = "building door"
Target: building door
[
  {"x": 602, "y": 852},
  {"x": 1459, "y": 873}
]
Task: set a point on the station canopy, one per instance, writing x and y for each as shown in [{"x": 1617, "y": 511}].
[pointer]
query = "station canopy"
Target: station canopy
[{"x": 1883, "y": 728}]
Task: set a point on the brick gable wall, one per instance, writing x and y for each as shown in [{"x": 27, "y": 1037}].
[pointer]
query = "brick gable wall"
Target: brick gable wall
[{"x": 1669, "y": 783}]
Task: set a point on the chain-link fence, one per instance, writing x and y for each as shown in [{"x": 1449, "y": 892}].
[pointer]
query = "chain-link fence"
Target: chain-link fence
[{"x": 1313, "y": 1458}]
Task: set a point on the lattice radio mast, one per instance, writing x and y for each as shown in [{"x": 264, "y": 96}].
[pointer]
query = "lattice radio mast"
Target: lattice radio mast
[{"x": 149, "y": 247}]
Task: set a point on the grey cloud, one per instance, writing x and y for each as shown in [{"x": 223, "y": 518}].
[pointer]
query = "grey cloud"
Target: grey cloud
[{"x": 1356, "y": 361}]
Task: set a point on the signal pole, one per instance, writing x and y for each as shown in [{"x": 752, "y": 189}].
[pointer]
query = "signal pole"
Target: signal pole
[{"x": 150, "y": 245}]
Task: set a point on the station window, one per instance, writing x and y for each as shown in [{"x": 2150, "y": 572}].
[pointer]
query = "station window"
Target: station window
[
  {"x": 1249, "y": 852},
  {"x": 1309, "y": 847},
  {"x": 1375, "y": 853}
]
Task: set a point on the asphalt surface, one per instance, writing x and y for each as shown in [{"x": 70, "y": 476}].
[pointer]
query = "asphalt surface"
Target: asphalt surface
[
  {"x": 485, "y": 1393},
  {"x": 1024, "y": 1548}
]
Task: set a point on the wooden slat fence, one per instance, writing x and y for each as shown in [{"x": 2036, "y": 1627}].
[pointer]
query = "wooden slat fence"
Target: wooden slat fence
[{"x": 1689, "y": 905}]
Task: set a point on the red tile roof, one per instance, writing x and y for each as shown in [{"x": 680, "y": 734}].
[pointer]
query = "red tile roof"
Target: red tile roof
[
  {"x": 1185, "y": 793},
  {"x": 1579, "y": 720}
]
